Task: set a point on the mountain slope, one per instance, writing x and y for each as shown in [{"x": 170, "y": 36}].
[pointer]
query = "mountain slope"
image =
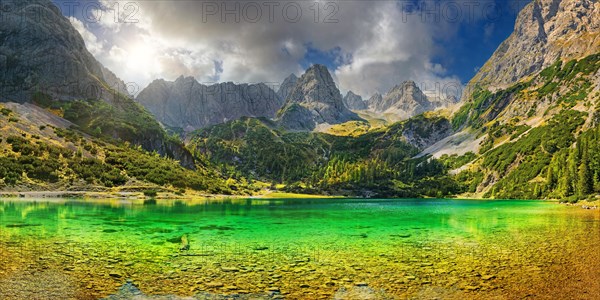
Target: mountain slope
[
  {"x": 286, "y": 86},
  {"x": 315, "y": 99},
  {"x": 545, "y": 31},
  {"x": 540, "y": 136},
  {"x": 41, "y": 52},
  {"x": 354, "y": 101},
  {"x": 45, "y": 62},
  {"x": 376, "y": 163},
  {"x": 189, "y": 105},
  {"x": 404, "y": 101},
  {"x": 40, "y": 151},
  {"x": 533, "y": 109}
]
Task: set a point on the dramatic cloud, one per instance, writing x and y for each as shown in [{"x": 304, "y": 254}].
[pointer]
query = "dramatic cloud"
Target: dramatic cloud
[
  {"x": 370, "y": 45},
  {"x": 91, "y": 41}
]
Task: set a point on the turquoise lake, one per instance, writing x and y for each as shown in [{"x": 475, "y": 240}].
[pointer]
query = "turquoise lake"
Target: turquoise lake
[{"x": 299, "y": 248}]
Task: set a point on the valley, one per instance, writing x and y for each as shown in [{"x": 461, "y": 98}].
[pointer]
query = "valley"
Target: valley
[{"x": 346, "y": 179}]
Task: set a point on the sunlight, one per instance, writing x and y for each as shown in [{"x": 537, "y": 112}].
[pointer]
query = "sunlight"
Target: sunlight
[{"x": 141, "y": 59}]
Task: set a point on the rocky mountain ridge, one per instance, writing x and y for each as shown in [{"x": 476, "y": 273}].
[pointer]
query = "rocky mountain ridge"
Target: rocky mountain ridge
[
  {"x": 406, "y": 100},
  {"x": 528, "y": 124},
  {"x": 187, "y": 104},
  {"x": 286, "y": 86},
  {"x": 545, "y": 31},
  {"x": 354, "y": 101},
  {"x": 315, "y": 99}
]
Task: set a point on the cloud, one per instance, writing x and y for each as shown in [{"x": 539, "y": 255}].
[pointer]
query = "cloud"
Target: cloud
[
  {"x": 92, "y": 43},
  {"x": 374, "y": 44},
  {"x": 489, "y": 30}
]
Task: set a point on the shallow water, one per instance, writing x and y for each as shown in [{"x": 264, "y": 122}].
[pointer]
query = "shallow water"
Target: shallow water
[{"x": 300, "y": 248}]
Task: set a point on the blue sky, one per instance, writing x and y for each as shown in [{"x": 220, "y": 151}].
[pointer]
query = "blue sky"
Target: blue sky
[
  {"x": 369, "y": 46},
  {"x": 473, "y": 44},
  {"x": 477, "y": 41}
]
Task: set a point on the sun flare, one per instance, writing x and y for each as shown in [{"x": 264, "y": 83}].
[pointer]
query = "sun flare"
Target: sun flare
[{"x": 142, "y": 58}]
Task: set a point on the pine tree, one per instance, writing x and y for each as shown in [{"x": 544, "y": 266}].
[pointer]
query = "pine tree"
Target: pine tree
[
  {"x": 570, "y": 176},
  {"x": 550, "y": 177},
  {"x": 585, "y": 182}
]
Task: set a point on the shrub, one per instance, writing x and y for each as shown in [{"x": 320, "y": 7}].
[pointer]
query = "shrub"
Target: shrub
[{"x": 150, "y": 193}]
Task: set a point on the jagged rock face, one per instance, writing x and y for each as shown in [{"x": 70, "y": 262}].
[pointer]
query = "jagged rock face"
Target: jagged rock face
[
  {"x": 354, "y": 101},
  {"x": 423, "y": 133},
  {"x": 545, "y": 31},
  {"x": 403, "y": 99},
  {"x": 316, "y": 91},
  {"x": 187, "y": 104},
  {"x": 42, "y": 52},
  {"x": 374, "y": 102},
  {"x": 406, "y": 100},
  {"x": 287, "y": 86}
]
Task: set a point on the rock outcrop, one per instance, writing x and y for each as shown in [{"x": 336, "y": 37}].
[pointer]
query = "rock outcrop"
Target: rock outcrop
[
  {"x": 286, "y": 86},
  {"x": 354, "y": 101},
  {"x": 42, "y": 53},
  {"x": 375, "y": 101},
  {"x": 187, "y": 104},
  {"x": 315, "y": 93},
  {"x": 545, "y": 31},
  {"x": 422, "y": 132},
  {"x": 406, "y": 100}
]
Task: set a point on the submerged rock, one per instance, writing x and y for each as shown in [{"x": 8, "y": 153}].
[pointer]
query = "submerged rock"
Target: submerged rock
[
  {"x": 361, "y": 292},
  {"x": 185, "y": 244},
  {"x": 129, "y": 291},
  {"x": 215, "y": 284},
  {"x": 22, "y": 225}
]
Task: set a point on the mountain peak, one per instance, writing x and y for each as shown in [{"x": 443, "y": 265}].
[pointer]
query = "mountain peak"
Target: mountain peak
[
  {"x": 317, "y": 68},
  {"x": 286, "y": 86},
  {"x": 315, "y": 85},
  {"x": 317, "y": 93},
  {"x": 404, "y": 101},
  {"x": 354, "y": 101},
  {"x": 185, "y": 79},
  {"x": 545, "y": 31},
  {"x": 291, "y": 77},
  {"x": 409, "y": 84}
]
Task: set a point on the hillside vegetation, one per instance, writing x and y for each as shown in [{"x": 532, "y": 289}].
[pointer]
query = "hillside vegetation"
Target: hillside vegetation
[
  {"x": 379, "y": 162},
  {"x": 49, "y": 157},
  {"x": 556, "y": 159}
]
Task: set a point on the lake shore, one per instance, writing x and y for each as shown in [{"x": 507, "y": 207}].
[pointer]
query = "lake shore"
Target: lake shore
[
  {"x": 138, "y": 195},
  {"x": 194, "y": 196}
]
